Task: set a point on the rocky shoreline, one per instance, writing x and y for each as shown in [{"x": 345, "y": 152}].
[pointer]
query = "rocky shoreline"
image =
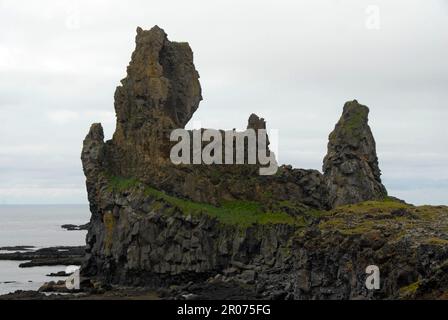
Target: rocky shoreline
[
  {"x": 72, "y": 227},
  {"x": 31, "y": 257},
  {"x": 55, "y": 256}
]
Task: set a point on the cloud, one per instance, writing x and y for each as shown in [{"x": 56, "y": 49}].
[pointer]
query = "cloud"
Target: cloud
[{"x": 63, "y": 116}]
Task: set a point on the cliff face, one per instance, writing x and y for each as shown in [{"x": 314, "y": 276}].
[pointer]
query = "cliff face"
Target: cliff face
[{"x": 155, "y": 223}]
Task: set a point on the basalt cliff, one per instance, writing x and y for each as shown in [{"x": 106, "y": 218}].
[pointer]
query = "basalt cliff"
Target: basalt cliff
[{"x": 224, "y": 231}]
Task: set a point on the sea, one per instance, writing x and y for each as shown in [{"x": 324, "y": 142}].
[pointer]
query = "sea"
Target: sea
[{"x": 38, "y": 226}]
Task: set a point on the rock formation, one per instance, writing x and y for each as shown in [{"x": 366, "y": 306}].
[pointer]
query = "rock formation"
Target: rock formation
[
  {"x": 156, "y": 224},
  {"x": 160, "y": 94},
  {"x": 351, "y": 167},
  {"x": 138, "y": 198}
]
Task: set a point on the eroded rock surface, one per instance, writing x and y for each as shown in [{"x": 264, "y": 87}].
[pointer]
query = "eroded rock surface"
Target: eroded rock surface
[
  {"x": 202, "y": 227},
  {"x": 351, "y": 168}
]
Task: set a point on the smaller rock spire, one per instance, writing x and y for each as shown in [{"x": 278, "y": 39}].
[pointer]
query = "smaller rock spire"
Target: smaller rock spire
[{"x": 351, "y": 166}]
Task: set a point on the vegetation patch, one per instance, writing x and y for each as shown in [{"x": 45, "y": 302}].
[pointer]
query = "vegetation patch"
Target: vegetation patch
[
  {"x": 409, "y": 290},
  {"x": 387, "y": 205},
  {"x": 239, "y": 213},
  {"x": 399, "y": 218},
  {"x": 118, "y": 184},
  {"x": 437, "y": 241},
  {"x": 353, "y": 219}
]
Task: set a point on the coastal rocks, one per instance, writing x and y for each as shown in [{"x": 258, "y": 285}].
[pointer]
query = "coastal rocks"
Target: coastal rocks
[
  {"x": 214, "y": 289},
  {"x": 54, "y": 256},
  {"x": 24, "y": 296},
  {"x": 55, "y": 287},
  {"x": 351, "y": 169},
  {"x": 93, "y": 294},
  {"x": 72, "y": 227},
  {"x": 60, "y": 274}
]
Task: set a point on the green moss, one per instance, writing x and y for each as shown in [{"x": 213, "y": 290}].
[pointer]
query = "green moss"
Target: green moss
[
  {"x": 267, "y": 195},
  {"x": 381, "y": 206},
  {"x": 410, "y": 289},
  {"x": 239, "y": 213},
  {"x": 291, "y": 205},
  {"x": 352, "y": 123},
  {"x": 118, "y": 184},
  {"x": 317, "y": 214},
  {"x": 437, "y": 241},
  {"x": 356, "y": 120},
  {"x": 346, "y": 228},
  {"x": 361, "y": 229},
  {"x": 390, "y": 214},
  {"x": 363, "y": 217},
  {"x": 299, "y": 209},
  {"x": 429, "y": 212}
]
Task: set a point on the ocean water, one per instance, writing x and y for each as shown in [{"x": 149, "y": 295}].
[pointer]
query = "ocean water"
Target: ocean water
[{"x": 38, "y": 226}]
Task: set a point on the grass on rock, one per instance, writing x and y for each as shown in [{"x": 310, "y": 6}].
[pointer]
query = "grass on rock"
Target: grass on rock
[{"x": 239, "y": 213}]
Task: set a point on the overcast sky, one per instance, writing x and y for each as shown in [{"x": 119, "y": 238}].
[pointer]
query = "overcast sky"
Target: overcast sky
[{"x": 293, "y": 62}]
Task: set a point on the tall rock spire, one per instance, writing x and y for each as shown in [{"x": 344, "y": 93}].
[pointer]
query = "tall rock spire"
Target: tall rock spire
[
  {"x": 161, "y": 90},
  {"x": 351, "y": 166},
  {"x": 160, "y": 93}
]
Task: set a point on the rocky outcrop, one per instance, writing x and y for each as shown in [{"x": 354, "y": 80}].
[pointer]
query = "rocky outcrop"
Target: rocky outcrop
[
  {"x": 351, "y": 169},
  {"x": 131, "y": 234},
  {"x": 55, "y": 256},
  {"x": 160, "y": 93},
  {"x": 408, "y": 244},
  {"x": 201, "y": 226}
]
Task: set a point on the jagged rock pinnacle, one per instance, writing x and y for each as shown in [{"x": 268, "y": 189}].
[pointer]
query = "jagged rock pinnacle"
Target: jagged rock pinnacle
[
  {"x": 161, "y": 90},
  {"x": 351, "y": 166},
  {"x": 256, "y": 122}
]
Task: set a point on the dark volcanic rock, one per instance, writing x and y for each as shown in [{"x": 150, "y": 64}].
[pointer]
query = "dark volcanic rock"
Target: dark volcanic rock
[
  {"x": 137, "y": 238},
  {"x": 193, "y": 230},
  {"x": 111, "y": 294},
  {"x": 160, "y": 93},
  {"x": 72, "y": 227},
  {"x": 162, "y": 84},
  {"x": 48, "y": 256},
  {"x": 256, "y": 123},
  {"x": 164, "y": 246},
  {"x": 351, "y": 165},
  {"x": 332, "y": 257},
  {"x": 59, "y": 274}
]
